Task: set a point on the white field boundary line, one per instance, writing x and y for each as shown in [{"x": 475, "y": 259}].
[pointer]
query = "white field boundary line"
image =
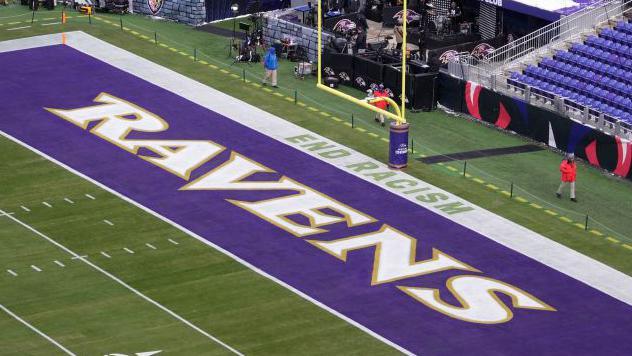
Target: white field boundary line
[
  {"x": 214, "y": 246},
  {"x": 125, "y": 285},
  {"x": 50, "y": 339}
]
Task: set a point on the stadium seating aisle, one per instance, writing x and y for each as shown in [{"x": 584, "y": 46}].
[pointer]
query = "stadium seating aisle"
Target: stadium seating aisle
[{"x": 596, "y": 74}]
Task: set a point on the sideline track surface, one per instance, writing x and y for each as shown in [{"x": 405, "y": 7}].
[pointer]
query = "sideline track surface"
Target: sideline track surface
[{"x": 587, "y": 320}]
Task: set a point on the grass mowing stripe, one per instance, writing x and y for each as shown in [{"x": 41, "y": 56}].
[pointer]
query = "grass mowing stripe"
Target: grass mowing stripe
[
  {"x": 36, "y": 330},
  {"x": 125, "y": 285}
]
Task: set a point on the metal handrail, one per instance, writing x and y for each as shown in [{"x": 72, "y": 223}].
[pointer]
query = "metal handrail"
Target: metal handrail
[{"x": 585, "y": 19}]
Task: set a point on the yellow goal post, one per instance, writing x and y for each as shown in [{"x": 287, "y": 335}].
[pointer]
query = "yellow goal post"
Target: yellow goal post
[{"x": 400, "y": 114}]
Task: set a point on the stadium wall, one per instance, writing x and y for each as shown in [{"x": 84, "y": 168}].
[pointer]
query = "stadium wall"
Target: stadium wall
[
  {"x": 604, "y": 151},
  {"x": 191, "y": 12}
]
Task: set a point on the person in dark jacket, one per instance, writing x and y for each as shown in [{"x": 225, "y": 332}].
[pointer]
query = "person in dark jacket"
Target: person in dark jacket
[
  {"x": 270, "y": 64},
  {"x": 568, "y": 168}
]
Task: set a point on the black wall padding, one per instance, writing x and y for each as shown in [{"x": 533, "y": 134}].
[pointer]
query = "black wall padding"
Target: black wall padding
[
  {"x": 451, "y": 92},
  {"x": 424, "y": 96}
]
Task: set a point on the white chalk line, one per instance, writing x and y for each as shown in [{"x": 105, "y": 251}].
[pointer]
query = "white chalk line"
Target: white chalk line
[
  {"x": 17, "y": 28},
  {"x": 173, "y": 242},
  {"x": 69, "y": 201},
  {"x": 47, "y": 204},
  {"x": 104, "y": 254},
  {"x": 151, "y": 246},
  {"x": 212, "y": 245},
  {"x": 11, "y": 272},
  {"x": 37, "y": 269},
  {"x": 25, "y": 208},
  {"x": 128, "y": 287},
  {"x": 50, "y": 339},
  {"x": 128, "y": 250},
  {"x": 90, "y": 196},
  {"x": 59, "y": 263},
  {"x": 108, "y": 222}
]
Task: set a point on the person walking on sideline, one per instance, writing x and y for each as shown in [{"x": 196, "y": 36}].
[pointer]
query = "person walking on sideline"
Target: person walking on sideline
[
  {"x": 568, "y": 168},
  {"x": 270, "y": 64}
]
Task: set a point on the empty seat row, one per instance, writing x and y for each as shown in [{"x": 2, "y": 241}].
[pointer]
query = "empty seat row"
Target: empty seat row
[
  {"x": 543, "y": 87},
  {"x": 614, "y": 71},
  {"x": 624, "y": 26},
  {"x": 599, "y": 80},
  {"x": 609, "y": 46},
  {"x": 588, "y": 69},
  {"x": 616, "y": 36},
  {"x": 623, "y": 102},
  {"x": 601, "y": 55}
]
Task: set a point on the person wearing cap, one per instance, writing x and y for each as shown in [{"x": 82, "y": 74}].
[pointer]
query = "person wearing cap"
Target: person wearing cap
[
  {"x": 270, "y": 64},
  {"x": 568, "y": 168}
]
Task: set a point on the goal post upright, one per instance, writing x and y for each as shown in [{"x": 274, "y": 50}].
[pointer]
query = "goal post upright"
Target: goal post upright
[{"x": 398, "y": 137}]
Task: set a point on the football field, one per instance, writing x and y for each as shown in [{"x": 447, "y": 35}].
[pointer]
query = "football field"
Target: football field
[{"x": 180, "y": 220}]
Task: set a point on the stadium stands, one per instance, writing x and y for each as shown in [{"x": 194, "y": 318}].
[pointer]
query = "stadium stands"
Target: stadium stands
[{"x": 593, "y": 76}]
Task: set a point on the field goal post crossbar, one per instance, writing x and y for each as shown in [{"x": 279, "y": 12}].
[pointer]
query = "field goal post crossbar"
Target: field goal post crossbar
[{"x": 400, "y": 115}]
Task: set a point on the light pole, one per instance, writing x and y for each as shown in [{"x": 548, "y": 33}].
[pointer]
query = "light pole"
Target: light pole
[{"x": 235, "y": 9}]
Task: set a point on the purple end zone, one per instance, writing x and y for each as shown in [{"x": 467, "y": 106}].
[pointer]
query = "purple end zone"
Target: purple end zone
[{"x": 587, "y": 321}]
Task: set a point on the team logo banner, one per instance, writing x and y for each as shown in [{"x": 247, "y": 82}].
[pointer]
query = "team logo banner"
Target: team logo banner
[
  {"x": 411, "y": 15},
  {"x": 155, "y": 6},
  {"x": 412, "y": 276}
]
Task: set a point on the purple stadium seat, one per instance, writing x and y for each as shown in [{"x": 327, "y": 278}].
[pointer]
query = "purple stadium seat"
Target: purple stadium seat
[{"x": 596, "y": 73}]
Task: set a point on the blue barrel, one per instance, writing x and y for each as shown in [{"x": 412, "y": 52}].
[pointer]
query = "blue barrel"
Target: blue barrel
[{"x": 398, "y": 147}]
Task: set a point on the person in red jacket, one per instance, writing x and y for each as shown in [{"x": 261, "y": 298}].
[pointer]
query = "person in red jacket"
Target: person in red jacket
[
  {"x": 568, "y": 168},
  {"x": 382, "y": 104}
]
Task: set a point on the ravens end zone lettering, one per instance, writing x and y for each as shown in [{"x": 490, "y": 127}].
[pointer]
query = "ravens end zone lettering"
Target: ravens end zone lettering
[{"x": 394, "y": 251}]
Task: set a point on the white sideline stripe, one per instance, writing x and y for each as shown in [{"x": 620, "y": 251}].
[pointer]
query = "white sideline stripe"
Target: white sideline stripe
[
  {"x": 12, "y": 273},
  {"x": 151, "y": 246},
  {"x": 59, "y": 263},
  {"x": 108, "y": 222},
  {"x": 37, "y": 269},
  {"x": 50, "y": 339},
  {"x": 77, "y": 257},
  {"x": 25, "y": 208},
  {"x": 17, "y": 28},
  {"x": 173, "y": 242},
  {"x": 128, "y": 250},
  {"x": 6, "y": 214},
  {"x": 51, "y": 23},
  {"x": 214, "y": 246},
  {"x": 46, "y": 203},
  {"x": 105, "y": 255},
  {"x": 119, "y": 281},
  {"x": 69, "y": 201},
  {"x": 90, "y": 196}
]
